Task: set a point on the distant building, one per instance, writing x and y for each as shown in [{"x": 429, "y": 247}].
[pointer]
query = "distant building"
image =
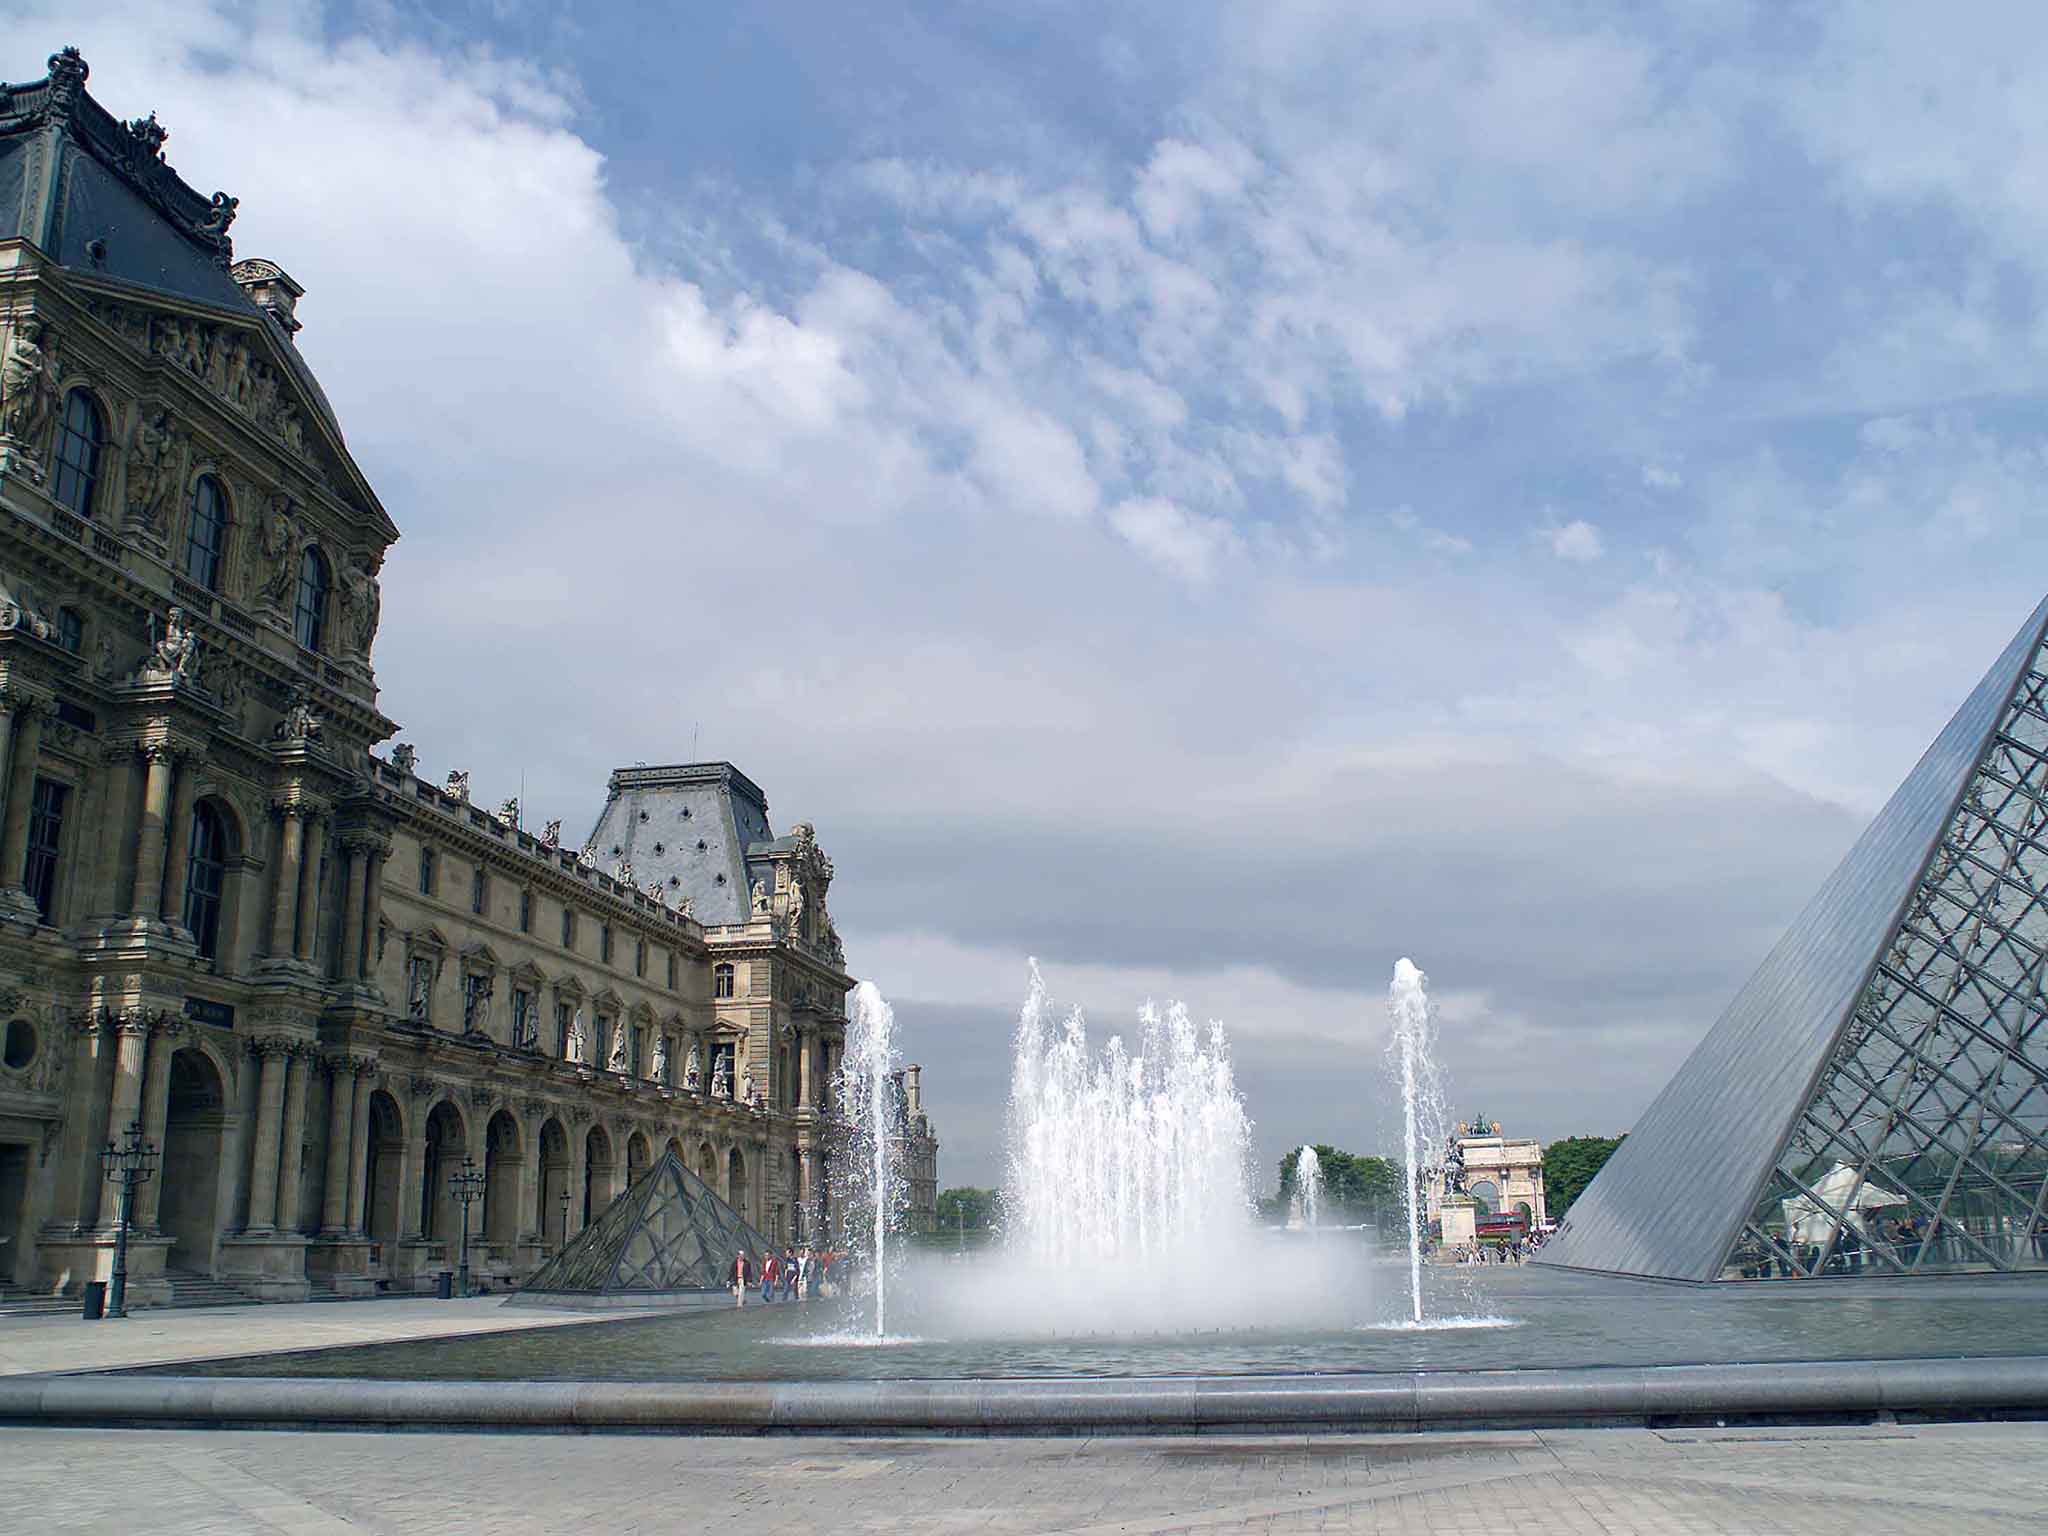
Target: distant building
[
  {"x": 915, "y": 1148},
  {"x": 1501, "y": 1173}
]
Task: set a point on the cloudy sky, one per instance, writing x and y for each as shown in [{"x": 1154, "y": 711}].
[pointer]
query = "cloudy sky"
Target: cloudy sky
[{"x": 1217, "y": 497}]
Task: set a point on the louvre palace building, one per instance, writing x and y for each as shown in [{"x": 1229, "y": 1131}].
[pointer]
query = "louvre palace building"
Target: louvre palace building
[{"x": 317, "y": 980}]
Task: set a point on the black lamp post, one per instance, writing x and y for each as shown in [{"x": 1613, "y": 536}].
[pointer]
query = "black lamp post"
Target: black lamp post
[
  {"x": 565, "y": 1215},
  {"x": 132, "y": 1160},
  {"x": 467, "y": 1185}
]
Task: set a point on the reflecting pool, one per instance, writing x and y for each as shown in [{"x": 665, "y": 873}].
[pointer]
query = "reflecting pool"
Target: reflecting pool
[{"x": 1516, "y": 1317}]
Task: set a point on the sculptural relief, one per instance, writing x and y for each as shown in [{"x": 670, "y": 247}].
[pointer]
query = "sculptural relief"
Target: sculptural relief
[
  {"x": 175, "y": 652},
  {"x": 760, "y": 898},
  {"x": 360, "y": 605},
  {"x": 274, "y": 555},
  {"x": 298, "y": 723},
  {"x": 152, "y": 473},
  {"x": 28, "y": 383}
]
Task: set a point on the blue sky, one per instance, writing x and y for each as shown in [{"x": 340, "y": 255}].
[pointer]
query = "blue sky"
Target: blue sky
[{"x": 1215, "y": 498}]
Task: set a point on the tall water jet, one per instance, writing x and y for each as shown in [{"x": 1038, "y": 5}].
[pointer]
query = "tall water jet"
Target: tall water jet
[
  {"x": 1118, "y": 1156},
  {"x": 1412, "y": 1049},
  {"x": 1308, "y": 1185},
  {"x": 867, "y": 1093}
]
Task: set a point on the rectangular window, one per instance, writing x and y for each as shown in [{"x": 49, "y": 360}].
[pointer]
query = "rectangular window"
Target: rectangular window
[
  {"x": 526, "y": 911},
  {"x": 476, "y": 1003},
  {"x": 477, "y": 891},
  {"x": 604, "y": 943},
  {"x": 671, "y": 973},
  {"x": 568, "y": 928},
  {"x": 604, "y": 1042},
  {"x": 426, "y": 871},
  {"x": 639, "y": 957},
  {"x": 70, "y": 630},
  {"x": 564, "y": 1017},
  {"x": 525, "y": 1023},
  {"x": 638, "y": 1040},
  {"x": 45, "y": 830},
  {"x": 721, "y": 980}
]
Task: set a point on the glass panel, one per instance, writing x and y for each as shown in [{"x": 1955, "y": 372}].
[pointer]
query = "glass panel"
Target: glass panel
[
  {"x": 79, "y": 437},
  {"x": 45, "y": 832},
  {"x": 1924, "y": 1146}
]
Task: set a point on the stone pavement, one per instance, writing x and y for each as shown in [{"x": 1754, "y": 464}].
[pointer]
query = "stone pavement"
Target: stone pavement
[
  {"x": 162, "y": 1335},
  {"x": 1953, "y": 1479}
]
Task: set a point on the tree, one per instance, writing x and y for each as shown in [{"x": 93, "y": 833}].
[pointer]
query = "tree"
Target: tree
[
  {"x": 966, "y": 1209},
  {"x": 1569, "y": 1166},
  {"x": 1354, "y": 1188}
]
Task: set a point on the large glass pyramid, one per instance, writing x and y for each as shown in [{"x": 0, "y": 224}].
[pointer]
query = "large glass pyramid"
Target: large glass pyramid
[
  {"x": 668, "y": 1233},
  {"x": 1875, "y": 1099}
]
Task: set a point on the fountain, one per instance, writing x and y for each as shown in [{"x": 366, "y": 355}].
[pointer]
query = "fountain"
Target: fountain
[
  {"x": 1308, "y": 1185},
  {"x": 1412, "y": 1049},
  {"x": 867, "y": 1090},
  {"x": 1119, "y": 1157}
]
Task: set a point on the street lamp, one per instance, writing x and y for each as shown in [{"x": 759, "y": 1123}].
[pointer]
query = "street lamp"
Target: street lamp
[
  {"x": 467, "y": 1185},
  {"x": 131, "y": 1161},
  {"x": 565, "y": 1217}
]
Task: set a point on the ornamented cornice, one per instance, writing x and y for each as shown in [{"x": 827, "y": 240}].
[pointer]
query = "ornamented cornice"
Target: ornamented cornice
[{"x": 133, "y": 151}]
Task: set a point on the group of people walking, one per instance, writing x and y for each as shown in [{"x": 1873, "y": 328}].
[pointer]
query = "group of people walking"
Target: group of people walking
[{"x": 795, "y": 1274}]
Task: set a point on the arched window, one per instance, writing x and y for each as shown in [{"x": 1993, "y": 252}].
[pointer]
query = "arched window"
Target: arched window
[
  {"x": 80, "y": 436},
  {"x": 206, "y": 878},
  {"x": 309, "y": 617},
  {"x": 207, "y": 534}
]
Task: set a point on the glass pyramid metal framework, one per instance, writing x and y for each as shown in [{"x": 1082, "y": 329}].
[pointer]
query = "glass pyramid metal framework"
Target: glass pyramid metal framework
[
  {"x": 668, "y": 1233},
  {"x": 1875, "y": 1099}
]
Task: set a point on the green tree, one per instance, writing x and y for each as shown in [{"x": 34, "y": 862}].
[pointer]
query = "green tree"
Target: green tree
[
  {"x": 966, "y": 1209},
  {"x": 1569, "y": 1166},
  {"x": 1355, "y": 1188}
]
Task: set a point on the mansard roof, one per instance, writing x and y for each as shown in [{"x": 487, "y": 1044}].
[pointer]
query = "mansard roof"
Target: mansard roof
[
  {"x": 96, "y": 197},
  {"x": 696, "y": 827}
]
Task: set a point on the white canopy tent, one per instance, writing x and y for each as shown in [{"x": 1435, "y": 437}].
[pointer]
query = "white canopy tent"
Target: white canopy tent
[{"x": 1813, "y": 1221}]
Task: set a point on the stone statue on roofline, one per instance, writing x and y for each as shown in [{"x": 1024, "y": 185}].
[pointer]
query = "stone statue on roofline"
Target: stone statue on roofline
[{"x": 551, "y": 834}]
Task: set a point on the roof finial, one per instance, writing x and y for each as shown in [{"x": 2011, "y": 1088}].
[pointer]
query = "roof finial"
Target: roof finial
[{"x": 67, "y": 77}]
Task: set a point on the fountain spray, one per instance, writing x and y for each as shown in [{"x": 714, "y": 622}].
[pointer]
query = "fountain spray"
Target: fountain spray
[
  {"x": 1422, "y": 1101},
  {"x": 1308, "y": 1185},
  {"x": 868, "y": 1092}
]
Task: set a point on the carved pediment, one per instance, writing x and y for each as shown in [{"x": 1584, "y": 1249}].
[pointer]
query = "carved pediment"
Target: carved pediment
[
  {"x": 527, "y": 974},
  {"x": 251, "y": 372},
  {"x": 480, "y": 957}
]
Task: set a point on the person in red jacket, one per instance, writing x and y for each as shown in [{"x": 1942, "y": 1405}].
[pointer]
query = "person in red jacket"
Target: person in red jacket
[
  {"x": 769, "y": 1271},
  {"x": 739, "y": 1278}
]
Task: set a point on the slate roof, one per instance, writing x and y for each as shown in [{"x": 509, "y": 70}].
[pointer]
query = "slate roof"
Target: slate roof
[{"x": 701, "y": 828}]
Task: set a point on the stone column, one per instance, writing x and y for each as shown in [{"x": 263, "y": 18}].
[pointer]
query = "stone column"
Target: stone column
[
  {"x": 579, "y": 1169},
  {"x": 351, "y": 964},
  {"x": 803, "y": 1069},
  {"x": 156, "y": 1113},
  {"x": 292, "y": 1163},
  {"x": 124, "y": 1104},
  {"x": 359, "y": 1149},
  {"x": 341, "y": 1111},
  {"x": 413, "y": 1175},
  {"x": 178, "y": 855},
  {"x": 147, "y": 902},
  {"x": 373, "y": 910},
  {"x": 117, "y": 830},
  {"x": 309, "y": 887},
  {"x": 532, "y": 1219},
  {"x": 21, "y": 778},
  {"x": 269, "y": 1130},
  {"x": 285, "y": 909},
  {"x": 78, "y": 1153},
  {"x": 9, "y": 703}
]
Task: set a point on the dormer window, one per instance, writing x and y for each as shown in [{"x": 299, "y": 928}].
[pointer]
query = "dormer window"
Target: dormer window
[
  {"x": 80, "y": 437},
  {"x": 206, "y": 533}
]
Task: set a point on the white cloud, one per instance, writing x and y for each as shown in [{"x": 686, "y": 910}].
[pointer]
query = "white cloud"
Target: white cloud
[
  {"x": 1578, "y": 541},
  {"x": 1186, "y": 544},
  {"x": 1658, "y": 478}
]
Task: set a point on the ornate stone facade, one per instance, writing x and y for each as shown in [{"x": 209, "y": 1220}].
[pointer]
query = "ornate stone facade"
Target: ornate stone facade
[{"x": 318, "y": 981}]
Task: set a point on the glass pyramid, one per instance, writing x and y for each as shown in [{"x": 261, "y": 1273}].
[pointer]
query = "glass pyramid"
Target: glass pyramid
[
  {"x": 1875, "y": 1099},
  {"x": 668, "y": 1232}
]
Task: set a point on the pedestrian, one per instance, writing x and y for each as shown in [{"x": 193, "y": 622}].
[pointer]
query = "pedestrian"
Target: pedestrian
[
  {"x": 739, "y": 1278},
  {"x": 788, "y": 1273},
  {"x": 767, "y": 1274}
]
